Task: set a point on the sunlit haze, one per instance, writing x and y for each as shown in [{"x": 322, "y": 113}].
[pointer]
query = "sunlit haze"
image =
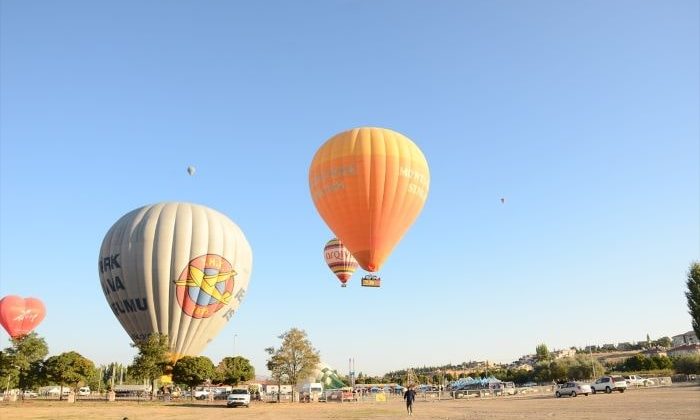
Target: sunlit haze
[{"x": 562, "y": 140}]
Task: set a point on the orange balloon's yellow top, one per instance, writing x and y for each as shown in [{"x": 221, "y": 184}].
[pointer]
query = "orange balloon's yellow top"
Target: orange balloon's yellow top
[{"x": 369, "y": 184}]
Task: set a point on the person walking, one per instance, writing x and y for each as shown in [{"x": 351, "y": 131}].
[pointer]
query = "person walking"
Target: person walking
[{"x": 409, "y": 396}]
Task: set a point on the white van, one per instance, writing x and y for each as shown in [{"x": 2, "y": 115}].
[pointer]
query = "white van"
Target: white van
[
  {"x": 310, "y": 391},
  {"x": 84, "y": 391}
]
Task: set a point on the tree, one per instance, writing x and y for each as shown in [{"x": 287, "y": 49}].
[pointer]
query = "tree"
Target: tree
[
  {"x": 541, "y": 372},
  {"x": 233, "y": 370},
  {"x": 663, "y": 342},
  {"x": 559, "y": 370},
  {"x": 152, "y": 360},
  {"x": 693, "y": 296},
  {"x": 21, "y": 361},
  {"x": 68, "y": 368},
  {"x": 295, "y": 359},
  {"x": 687, "y": 364},
  {"x": 584, "y": 367},
  {"x": 193, "y": 371},
  {"x": 542, "y": 353}
]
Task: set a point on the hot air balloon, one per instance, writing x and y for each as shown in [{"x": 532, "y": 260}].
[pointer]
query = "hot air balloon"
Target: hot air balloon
[
  {"x": 191, "y": 170},
  {"x": 179, "y": 269},
  {"x": 339, "y": 260},
  {"x": 19, "y": 316},
  {"x": 369, "y": 185}
]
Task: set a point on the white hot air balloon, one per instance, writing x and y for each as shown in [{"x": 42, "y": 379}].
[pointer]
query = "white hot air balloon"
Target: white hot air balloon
[
  {"x": 179, "y": 269},
  {"x": 191, "y": 170}
]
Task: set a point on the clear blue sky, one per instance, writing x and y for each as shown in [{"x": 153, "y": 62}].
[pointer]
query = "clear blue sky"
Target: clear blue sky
[{"x": 582, "y": 114}]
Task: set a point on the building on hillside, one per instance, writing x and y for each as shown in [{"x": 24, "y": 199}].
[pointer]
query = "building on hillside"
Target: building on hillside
[
  {"x": 524, "y": 366},
  {"x": 655, "y": 351},
  {"x": 684, "y": 350},
  {"x": 528, "y": 359},
  {"x": 682, "y": 339},
  {"x": 560, "y": 354},
  {"x": 625, "y": 345}
]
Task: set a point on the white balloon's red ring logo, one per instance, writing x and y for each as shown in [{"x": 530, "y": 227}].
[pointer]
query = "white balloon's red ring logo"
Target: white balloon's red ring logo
[{"x": 205, "y": 285}]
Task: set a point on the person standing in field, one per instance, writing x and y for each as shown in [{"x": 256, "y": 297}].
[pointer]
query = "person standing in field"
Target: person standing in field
[{"x": 409, "y": 396}]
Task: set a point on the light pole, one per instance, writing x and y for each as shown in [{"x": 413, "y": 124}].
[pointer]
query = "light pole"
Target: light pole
[{"x": 235, "y": 373}]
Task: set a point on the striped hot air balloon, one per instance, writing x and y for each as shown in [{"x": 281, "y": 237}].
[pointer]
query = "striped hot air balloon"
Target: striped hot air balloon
[{"x": 339, "y": 260}]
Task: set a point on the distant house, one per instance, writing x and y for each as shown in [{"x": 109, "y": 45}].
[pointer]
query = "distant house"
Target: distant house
[
  {"x": 684, "y": 350},
  {"x": 655, "y": 351},
  {"x": 529, "y": 359},
  {"x": 626, "y": 345},
  {"x": 682, "y": 339},
  {"x": 525, "y": 366},
  {"x": 560, "y": 354}
]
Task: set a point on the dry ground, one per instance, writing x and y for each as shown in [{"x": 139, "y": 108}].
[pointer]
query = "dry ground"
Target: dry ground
[{"x": 670, "y": 403}]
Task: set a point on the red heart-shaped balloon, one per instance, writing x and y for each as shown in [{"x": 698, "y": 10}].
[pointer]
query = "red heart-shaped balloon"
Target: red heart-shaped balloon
[{"x": 20, "y": 316}]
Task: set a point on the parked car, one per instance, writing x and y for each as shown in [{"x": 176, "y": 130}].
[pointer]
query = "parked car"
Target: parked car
[
  {"x": 30, "y": 394},
  {"x": 238, "y": 396},
  {"x": 609, "y": 384},
  {"x": 84, "y": 391},
  {"x": 201, "y": 394},
  {"x": 635, "y": 380},
  {"x": 573, "y": 389}
]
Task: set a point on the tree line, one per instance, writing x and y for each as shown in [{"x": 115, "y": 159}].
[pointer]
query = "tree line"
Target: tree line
[{"x": 24, "y": 365}]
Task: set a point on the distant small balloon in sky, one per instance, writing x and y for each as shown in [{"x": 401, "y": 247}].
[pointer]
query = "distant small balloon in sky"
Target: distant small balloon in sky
[
  {"x": 503, "y": 200},
  {"x": 191, "y": 170}
]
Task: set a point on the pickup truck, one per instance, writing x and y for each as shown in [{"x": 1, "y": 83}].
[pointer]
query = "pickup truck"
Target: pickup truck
[{"x": 635, "y": 380}]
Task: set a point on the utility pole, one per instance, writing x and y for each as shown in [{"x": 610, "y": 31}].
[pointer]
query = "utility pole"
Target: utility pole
[
  {"x": 351, "y": 369},
  {"x": 235, "y": 372}
]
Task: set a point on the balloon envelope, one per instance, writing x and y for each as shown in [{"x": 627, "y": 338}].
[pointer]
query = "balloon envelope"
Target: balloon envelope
[
  {"x": 191, "y": 170},
  {"x": 19, "y": 316},
  {"x": 179, "y": 269},
  {"x": 339, "y": 260},
  {"x": 369, "y": 185}
]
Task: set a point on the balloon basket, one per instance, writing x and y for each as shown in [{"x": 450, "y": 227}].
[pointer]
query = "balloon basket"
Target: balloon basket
[
  {"x": 371, "y": 281},
  {"x": 343, "y": 285}
]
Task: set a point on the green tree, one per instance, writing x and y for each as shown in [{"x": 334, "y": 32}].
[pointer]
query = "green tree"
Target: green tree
[
  {"x": 687, "y": 364},
  {"x": 541, "y": 372},
  {"x": 233, "y": 370},
  {"x": 152, "y": 360},
  {"x": 23, "y": 359},
  {"x": 584, "y": 367},
  {"x": 559, "y": 370},
  {"x": 274, "y": 365},
  {"x": 693, "y": 296},
  {"x": 68, "y": 368},
  {"x": 663, "y": 342},
  {"x": 662, "y": 362},
  {"x": 635, "y": 363},
  {"x": 193, "y": 371},
  {"x": 542, "y": 352},
  {"x": 295, "y": 359}
]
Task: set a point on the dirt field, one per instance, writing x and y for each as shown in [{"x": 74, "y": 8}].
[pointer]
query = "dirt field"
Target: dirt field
[{"x": 677, "y": 402}]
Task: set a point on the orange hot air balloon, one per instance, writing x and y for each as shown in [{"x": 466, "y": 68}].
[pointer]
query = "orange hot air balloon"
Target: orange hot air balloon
[
  {"x": 20, "y": 316},
  {"x": 369, "y": 185},
  {"x": 339, "y": 260}
]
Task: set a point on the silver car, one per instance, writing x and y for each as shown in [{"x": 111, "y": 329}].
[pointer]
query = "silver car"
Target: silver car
[{"x": 573, "y": 389}]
